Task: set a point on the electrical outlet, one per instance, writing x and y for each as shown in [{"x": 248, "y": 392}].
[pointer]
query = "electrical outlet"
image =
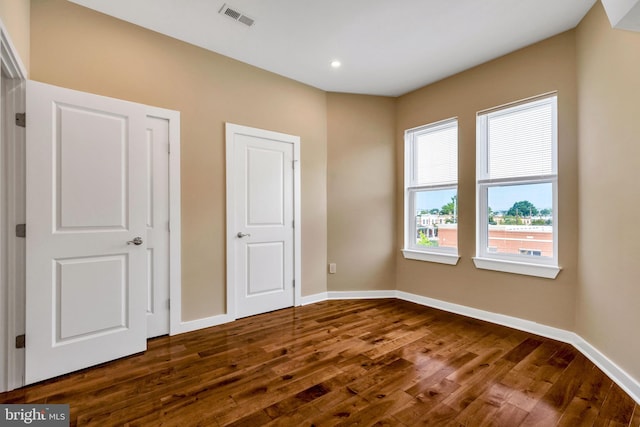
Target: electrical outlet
[{"x": 332, "y": 268}]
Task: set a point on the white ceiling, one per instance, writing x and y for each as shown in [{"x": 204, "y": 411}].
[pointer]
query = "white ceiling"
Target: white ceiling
[{"x": 387, "y": 47}]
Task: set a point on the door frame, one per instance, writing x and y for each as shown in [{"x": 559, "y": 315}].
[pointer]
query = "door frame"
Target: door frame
[
  {"x": 230, "y": 130},
  {"x": 12, "y": 199}
]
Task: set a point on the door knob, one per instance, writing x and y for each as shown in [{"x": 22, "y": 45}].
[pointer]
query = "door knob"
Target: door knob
[
  {"x": 136, "y": 241},
  {"x": 241, "y": 234}
]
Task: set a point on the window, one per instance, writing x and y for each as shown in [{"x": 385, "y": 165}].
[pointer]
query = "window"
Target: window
[
  {"x": 431, "y": 192},
  {"x": 517, "y": 181}
]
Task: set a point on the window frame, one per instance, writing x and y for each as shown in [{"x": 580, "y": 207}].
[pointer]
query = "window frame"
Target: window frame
[
  {"x": 443, "y": 255},
  {"x": 546, "y": 267}
]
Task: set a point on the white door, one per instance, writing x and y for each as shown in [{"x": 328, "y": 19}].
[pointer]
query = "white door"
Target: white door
[
  {"x": 157, "y": 223},
  {"x": 261, "y": 219},
  {"x": 86, "y": 206}
]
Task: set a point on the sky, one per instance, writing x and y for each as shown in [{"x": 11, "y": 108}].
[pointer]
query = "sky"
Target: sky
[{"x": 500, "y": 198}]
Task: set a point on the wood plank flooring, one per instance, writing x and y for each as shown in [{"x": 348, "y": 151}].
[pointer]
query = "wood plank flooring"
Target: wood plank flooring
[{"x": 344, "y": 363}]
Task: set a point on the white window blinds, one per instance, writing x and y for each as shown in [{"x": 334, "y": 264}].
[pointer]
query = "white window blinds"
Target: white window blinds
[
  {"x": 520, "y": 141},
  {"x": 436, "y": 155}
]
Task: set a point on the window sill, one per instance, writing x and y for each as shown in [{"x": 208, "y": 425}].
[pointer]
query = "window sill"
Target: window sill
[
  {"x": 440, "y": 258},
  {"x": 537, "y": 270}
]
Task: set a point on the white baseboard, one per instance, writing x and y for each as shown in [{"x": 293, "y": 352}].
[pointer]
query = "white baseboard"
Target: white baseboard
[
  {"x": 207, "y": 322},
  {"x": 312, "y": 299},
  {"x": 361, "y": 294},
  {"x": 336, "y": 295}
]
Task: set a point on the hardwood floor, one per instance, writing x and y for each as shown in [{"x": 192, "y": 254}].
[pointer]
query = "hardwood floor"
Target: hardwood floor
[{"x": 343, "y": 363}]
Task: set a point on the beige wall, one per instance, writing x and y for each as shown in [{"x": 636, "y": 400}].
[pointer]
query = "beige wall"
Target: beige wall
[
  {"x": 361, "y": 192},
  {"x": 77, "y": 48},
  {"x": 608, "y": 308},
  {"x": 546, "y": 66},
  {"x": 15, "y": 17}
]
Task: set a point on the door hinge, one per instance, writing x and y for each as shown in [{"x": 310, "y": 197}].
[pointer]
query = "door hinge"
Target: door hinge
[
  {"x": 21, "y": 120},
  {"x": 294, "y": 283},
  {"x": 21, "y": 230},
  {"x": 20, "y": 341},
  {"x": 169, "y": 304}
]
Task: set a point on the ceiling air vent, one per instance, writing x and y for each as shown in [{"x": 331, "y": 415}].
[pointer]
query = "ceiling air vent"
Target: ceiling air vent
[{"x": 236, "y": 15}]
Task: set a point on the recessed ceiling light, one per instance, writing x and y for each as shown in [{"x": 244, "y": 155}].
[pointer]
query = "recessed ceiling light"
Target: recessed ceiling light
[{"x": 336, "y": 64}]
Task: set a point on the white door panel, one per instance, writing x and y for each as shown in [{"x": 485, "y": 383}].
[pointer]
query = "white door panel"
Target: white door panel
[
  {"x": 95, "y": 144},
  {"x": 265, "y": 185},
  {"x": 261, "y": 228},
  {"x": 266, "y": 268},
  {"x": 86, "y": 199},
  {"x": 98, "y": 279}
]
